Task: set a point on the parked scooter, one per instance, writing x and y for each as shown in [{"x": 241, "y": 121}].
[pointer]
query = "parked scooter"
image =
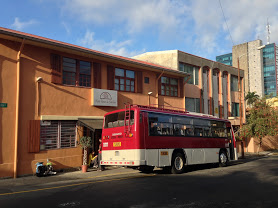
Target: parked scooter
[{"x": 44, "y": 170}]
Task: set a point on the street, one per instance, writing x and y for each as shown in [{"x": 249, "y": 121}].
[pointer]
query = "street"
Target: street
[{"x": 247, "y": 183}]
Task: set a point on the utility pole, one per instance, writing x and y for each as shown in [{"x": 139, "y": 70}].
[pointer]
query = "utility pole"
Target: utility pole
[
  {"x": 239, "y": 95},
  {"x": 240, "y": 107}
]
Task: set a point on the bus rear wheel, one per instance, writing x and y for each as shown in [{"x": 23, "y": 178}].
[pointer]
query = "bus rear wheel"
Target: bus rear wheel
[
  {"x": 223, "y": 159},
  {"x": 178, "y": 163}
]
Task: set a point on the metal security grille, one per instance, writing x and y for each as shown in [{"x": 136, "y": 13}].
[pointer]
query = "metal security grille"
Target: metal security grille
[
  {"x": 68, "y": 133},
  {"x": 58, "y": 134}
]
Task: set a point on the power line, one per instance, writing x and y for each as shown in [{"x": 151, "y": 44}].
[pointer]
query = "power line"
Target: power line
[{"x": 226, "y": 22}]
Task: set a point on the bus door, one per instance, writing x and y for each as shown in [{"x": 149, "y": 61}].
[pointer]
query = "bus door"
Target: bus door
[
  {"x": 143, "y": 128},
  {"x": 151, "y": 154},
  {"x": 231, "y": 143}
]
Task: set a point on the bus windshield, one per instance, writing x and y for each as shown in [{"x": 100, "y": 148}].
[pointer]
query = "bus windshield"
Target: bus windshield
[{"x": 117, "y": 119}]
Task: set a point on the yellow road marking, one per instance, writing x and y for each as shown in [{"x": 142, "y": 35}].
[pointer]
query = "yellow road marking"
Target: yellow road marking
[
  {"x": 76, "y": 184},
  {"x": 111, "y": 175}
]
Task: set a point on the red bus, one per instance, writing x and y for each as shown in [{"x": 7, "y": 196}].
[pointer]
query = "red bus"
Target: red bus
[{"x": 148, "y": 137}]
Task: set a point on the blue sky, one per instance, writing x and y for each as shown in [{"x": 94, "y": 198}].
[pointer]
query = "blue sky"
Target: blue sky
[{"x": 132, "y": 27}]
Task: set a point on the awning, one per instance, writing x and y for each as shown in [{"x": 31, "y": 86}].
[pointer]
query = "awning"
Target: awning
[{"x": 91, "y": 124}]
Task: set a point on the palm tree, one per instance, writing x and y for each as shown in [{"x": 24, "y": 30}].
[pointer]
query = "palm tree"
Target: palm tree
[{"x": 251, "y": 97}]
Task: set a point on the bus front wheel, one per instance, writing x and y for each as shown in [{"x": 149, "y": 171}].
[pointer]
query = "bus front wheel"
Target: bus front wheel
[
  {"x": 178, "y": 163},
  {"x": 223, "y": 158}
]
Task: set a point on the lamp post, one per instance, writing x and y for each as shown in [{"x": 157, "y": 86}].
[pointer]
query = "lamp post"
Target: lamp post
[{"x": 149, "y": 94}]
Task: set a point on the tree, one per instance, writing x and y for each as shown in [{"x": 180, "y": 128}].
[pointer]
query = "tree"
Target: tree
[
  {"x": 251, "y": 97},
  {"x": 85, "y": 143},
  {"x": 262, "y": 121}
]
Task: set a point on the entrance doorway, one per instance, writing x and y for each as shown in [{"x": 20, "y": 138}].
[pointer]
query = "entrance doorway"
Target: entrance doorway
[
  {"x": 95, "y": 135},
  {"x": 92, "y": 128}
]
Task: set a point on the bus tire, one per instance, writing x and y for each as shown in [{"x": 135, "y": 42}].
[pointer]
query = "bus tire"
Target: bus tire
[
  {"x": 223, "y": 158},
  {"x": 178, "y": 163}
]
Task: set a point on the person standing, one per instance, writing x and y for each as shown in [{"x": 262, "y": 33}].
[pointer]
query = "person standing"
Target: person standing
[
  {"x": 93, "y": 160},
  {"x": 100, "y": 167}
]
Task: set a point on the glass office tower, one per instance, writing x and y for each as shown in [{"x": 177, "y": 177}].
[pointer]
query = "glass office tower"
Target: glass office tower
[
  {"x": 269, "y": 65},
  {"x": 225, "y": 59}
]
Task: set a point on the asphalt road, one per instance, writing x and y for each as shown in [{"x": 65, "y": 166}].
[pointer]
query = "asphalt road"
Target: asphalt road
[{"x": 249, "y": 183}]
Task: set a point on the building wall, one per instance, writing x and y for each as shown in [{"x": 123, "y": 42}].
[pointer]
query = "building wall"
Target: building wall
[
  {"x": 268, "y": 143},
  {"x": 255, "y": 65},
  {"x": 238, "y": 51},
  {"x": 164, "y": 58},
  {"x": 7, "y": 88},
  {"x": 42, "y": 99}
]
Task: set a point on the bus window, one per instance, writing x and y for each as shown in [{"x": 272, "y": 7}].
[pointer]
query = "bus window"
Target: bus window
[
  {"x": 229, "y": 133},
  {"x": 117, "y": 119},
  {"x": 214, "y": 132},
  {"x": 179, "y": 129},
  {"x": 182, "y": 120},
  {"x": 189, "y": 130},
  {"x": 167, "y": 129},
  {"x": 218, "y": 124},
  {"x": 219, "y": 132},
  {"x": 222, "y": 132},
  {"x": 164, "y": 118},
  {"x": 201, "y": 122},
  {"x": 207, "y": 132},
  {"x": 198, "y": 131},
  {"x": 155, "y": 129}
]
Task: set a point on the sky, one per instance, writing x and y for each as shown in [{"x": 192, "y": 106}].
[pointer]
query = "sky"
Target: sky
[{"x": 132, "y": 27}]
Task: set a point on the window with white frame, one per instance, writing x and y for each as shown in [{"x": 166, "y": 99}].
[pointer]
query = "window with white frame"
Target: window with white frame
[
  {"x": 192, "y": 70},
  {"x": 57, "y": 134}
]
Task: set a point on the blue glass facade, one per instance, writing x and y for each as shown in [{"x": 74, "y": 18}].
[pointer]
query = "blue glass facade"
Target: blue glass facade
[
  {"x": 225, "y": 59},
  {"x": 269, "y": 66}
]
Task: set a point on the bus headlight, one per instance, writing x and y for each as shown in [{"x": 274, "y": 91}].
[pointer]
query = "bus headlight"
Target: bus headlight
[{"x": 130, "y": 135}]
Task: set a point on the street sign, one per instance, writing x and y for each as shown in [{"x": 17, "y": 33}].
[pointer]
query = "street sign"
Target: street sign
[{"x": 3, "y": 105}]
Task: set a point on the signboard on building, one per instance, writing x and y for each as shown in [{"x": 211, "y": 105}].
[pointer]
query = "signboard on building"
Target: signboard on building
[
  {"x": 101, "y": 97},
  {"x": 3, "y": 105}
]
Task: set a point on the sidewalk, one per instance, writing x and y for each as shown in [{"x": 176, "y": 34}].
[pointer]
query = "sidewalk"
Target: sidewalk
[
  {"x": 260, "y": 154},
  {"x": 66, "y": 177}
]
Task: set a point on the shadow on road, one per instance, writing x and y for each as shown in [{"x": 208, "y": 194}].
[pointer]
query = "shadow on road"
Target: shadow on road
[{"x": 192, "y": 168}]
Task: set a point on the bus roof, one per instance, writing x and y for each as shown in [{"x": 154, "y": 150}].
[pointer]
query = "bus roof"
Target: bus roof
[{"x": 170, "y": 111}]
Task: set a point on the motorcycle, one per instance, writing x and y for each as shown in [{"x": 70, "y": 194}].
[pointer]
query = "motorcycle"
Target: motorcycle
[{"x": 44, "y": 170}]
